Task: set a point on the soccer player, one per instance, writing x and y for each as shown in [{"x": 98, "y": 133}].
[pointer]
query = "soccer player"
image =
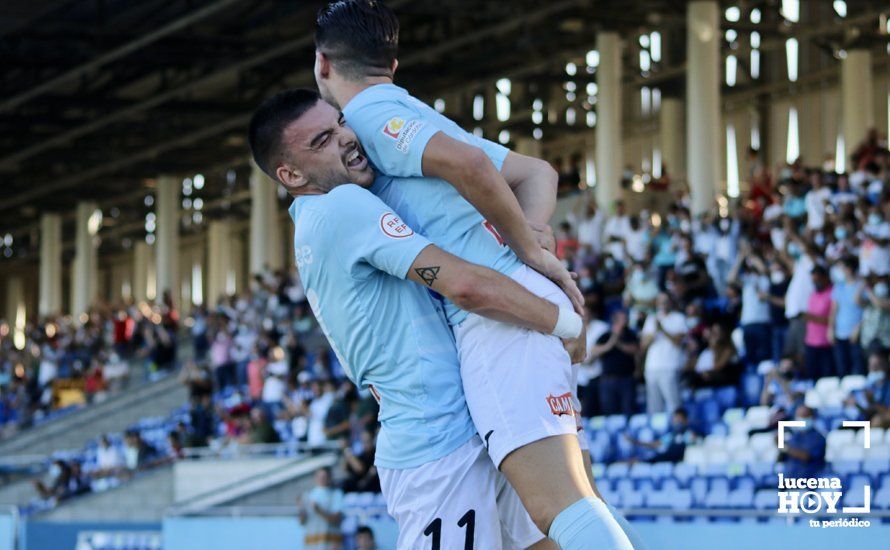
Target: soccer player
[
  {"x": 353, "y": 253},
  {"x": 355, "y": 61},
  {"x": 519, "y": 386}
]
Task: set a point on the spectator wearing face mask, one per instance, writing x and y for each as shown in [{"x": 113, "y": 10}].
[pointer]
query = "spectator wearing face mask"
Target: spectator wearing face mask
[
  {"x": 639, "y": 294},
  {"x": 800, "y": 262},
  {"x": 818, "y": 356},
  {"x": 845, "y": 318},
  {"x": 874, "y": 254},
  {"x": 778, "y": 288},
  {"x": 750, "y": 273},
  {"x": 875, "y": 302},
  {"x": 804, "y": 452},
  {"x": 662, "y": 338}
]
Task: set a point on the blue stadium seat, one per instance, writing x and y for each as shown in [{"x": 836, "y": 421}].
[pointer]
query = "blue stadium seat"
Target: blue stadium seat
[
  {"x": 616, "y": 423},
  {"x": 881, "y": 498},
  {"x": 727, "y": 397},
  {"x": 752, "y": 384},
  {"x": 641, "y": 470},
  {"x": 659, "y": 422},
  {"x": 638, "y": 421},
  {"x": 875, "y": 468},
  {"x": 854, "y": 490},
  {"x": 617, "y": 470},
  {"x": 699, "y": 488},
  {"x": 645, "y": 486},
  {"x": 684, "y": 472},
  {"x": 741, "y": 498},
  {"x": 847, "y": 467},
  {"x": 670, "y": 485},
  {"x": 718, "y": 428},
  {"x": 662, "y": 470},
  {"x": 766, "y": 499}
]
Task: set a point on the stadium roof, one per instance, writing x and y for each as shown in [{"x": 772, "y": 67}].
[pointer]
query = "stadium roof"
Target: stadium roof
[{"x": 99, "y": 97}]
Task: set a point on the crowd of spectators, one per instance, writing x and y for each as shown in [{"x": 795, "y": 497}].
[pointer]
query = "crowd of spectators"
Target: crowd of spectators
[
  {"x": 791, "y": 283},
  {"x": 61, "y": 363},
  {"x": 264, "y": 357}
]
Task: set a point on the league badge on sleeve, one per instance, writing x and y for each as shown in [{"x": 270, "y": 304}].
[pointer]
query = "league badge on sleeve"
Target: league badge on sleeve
[{"x": 393, "y": 226}]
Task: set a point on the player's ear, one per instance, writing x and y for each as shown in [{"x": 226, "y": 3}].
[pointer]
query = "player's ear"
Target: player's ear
[
  {"x": 292, "y": 179},
  {"x": 395, "y": 65},
  {"x": 322, "y": 65}
]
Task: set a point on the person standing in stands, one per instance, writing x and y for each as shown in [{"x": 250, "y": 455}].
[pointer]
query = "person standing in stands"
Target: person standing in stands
[
  {"x": 663, "y": 335},
  {"x": 320, "y": 514},
  {"x": 616, "y": 350},
  {"x": 819, "y": 361},
  {"x": 845, "y": 318}
]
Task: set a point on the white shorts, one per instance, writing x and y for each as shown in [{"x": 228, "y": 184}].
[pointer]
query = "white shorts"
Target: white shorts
[
  {"x": 447, "y": 504},
  {"x": 517, "y": 382},
  {"x": 518, "y": 531}
]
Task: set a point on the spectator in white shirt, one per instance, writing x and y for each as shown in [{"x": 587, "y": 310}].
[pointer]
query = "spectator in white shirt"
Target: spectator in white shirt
[
  {"x": 589, "y": 221},
  {"x": 816, "y": 200},
  {"x": 800, "y": 259},
  {"x": 663, "y": 335},
  {"x": 616, "y": 230},
  {"x": 109, "y": 459}
]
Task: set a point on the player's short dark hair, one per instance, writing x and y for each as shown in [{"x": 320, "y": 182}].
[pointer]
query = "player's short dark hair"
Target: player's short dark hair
[
  {"x": 269, "y": 121},
  {"x": 360, "y": 37},
  {"x": 364, "y": 529}
]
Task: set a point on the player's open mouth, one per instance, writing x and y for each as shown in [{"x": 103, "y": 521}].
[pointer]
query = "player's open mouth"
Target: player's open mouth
[{"x": 356, "y": 160}]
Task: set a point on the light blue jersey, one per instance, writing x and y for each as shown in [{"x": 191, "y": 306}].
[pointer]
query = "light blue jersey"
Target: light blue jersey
[
  {"x": 394, "y": 129},
  {"x": 353, "y": 254}
]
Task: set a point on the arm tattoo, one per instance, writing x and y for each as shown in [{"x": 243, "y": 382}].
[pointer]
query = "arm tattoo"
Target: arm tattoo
[{"x": 428, "y": 274}]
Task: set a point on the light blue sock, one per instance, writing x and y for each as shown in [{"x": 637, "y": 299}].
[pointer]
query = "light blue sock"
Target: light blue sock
[
  {"x": 631, "y": 533},
  {"x": 588, "y": 524}
]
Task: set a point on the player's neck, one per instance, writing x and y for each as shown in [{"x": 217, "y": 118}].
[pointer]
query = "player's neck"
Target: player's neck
[{"x": 348, "y": 89}]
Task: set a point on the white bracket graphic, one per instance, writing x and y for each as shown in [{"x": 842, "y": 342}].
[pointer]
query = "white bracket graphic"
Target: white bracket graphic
[
  {"x": 790, "y": 424},
  {"x": 864, "y": 424}
]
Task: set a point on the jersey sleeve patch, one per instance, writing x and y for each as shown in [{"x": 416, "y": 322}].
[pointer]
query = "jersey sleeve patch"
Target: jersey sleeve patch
[
  {"x": 393, "y": 226},
  {"x": 402, "y": 132}
]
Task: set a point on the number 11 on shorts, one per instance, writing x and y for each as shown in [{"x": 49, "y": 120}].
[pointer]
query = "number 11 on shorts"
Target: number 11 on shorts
[{"x": 468, "y": 520}]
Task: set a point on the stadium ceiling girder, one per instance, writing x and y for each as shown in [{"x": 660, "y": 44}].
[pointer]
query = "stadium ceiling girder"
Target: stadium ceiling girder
[{"x": 125, "y": 107}]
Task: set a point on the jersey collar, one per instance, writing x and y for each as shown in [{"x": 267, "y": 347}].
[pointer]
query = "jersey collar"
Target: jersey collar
[{"x": 370, "y": 95}]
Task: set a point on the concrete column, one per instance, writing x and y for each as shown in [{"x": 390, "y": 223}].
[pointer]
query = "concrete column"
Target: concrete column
[
  {"x": 167, "y": 243},
  {"x": 15, "y": 309},
  {"x": 265, "y": 229},
  {"x": 857, "y": 99},
  {"x": 703, "y": 92},
  {"x": 672, "y": 137},
  {"x": 85, "y": 263},
  {"x": 219, "y": 260},
  {"x": 50, "y": 289},
  {"x": 141, "y": 255},
  {"x": 236, "y": 279},
  {"x": 609, "y": 159}
]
